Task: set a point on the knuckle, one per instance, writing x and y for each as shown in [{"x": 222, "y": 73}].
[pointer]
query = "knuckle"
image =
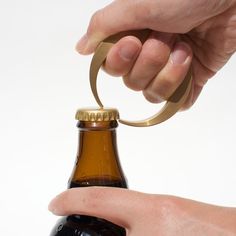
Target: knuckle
[
  {"x": 160, "y": 90},
  {"x": 152, "y": 59},
  {"x": 112, "y": 70},
  {"x": 164, "y": 88},
  {"x": 149, "y": 97},
  {"x": 133, "y": 84},
  {"x": 152, "y": 96}
]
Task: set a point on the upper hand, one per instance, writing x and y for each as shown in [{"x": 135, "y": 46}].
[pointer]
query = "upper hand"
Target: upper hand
[
  {"x": 147, "y": 214},
  {"x": 183, "y": 32}
]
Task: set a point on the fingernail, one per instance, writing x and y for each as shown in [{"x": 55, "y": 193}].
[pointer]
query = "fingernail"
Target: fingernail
[
  {"x": 180, "y": 54},
  {"x": 82, "y": 44},
  {"x": 129, "y": 52}
]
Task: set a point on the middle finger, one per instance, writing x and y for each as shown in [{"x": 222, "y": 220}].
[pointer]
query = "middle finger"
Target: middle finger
[{"x": 152, "y": 58}]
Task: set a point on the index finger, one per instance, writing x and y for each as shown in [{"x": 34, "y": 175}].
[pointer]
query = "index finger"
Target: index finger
[{"x": 114, "y": 18}]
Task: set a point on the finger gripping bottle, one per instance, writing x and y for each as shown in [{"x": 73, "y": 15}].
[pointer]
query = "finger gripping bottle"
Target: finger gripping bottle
[{"x": 97, "y": 164}]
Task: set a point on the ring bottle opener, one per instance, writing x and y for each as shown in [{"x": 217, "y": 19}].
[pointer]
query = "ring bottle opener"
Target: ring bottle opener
[{"x": 173, "y": 103}]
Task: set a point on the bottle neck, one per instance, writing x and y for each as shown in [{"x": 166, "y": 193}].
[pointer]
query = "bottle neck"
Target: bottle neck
[{"x": 97, "y": 158}]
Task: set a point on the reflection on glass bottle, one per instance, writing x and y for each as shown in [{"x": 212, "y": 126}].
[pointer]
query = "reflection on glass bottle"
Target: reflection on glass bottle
[{"x": 97, "y": 164}]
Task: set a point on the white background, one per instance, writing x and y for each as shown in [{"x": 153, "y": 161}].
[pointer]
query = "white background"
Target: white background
[{"x": 42, "y": 83}]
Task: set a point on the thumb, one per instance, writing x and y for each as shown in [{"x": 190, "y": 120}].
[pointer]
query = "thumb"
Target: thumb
[
  {"x": 120, "y": 206},
  {"x": 162, "y": 15},
  {"x": 114, "y": 18}
]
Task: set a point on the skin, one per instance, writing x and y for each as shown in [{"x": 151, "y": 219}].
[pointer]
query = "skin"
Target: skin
[
  {"x": 199, "y": 33},
  {"x": 147, "y": 214}
]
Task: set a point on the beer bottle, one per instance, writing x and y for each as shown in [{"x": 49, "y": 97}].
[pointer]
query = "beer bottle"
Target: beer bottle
[{"x": 97, "y": 164}]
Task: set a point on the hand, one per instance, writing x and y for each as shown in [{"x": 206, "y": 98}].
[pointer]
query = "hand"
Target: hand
[
  {"x": 201, "y": 32},
  {"x": 147, "y": 214}
]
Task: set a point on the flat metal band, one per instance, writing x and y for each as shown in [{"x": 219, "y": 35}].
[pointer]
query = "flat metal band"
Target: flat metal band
[{"x": 173, "y": 103}]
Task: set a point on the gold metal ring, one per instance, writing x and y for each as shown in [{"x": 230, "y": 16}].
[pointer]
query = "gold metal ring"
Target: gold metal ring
[{"x": 173, "y": 103}]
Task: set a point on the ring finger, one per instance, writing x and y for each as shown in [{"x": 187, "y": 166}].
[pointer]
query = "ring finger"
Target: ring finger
[{"x": 171, "y": 76}]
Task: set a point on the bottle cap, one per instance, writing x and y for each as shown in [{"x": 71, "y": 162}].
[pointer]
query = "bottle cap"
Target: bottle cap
[{"x": 97, "y": 114}]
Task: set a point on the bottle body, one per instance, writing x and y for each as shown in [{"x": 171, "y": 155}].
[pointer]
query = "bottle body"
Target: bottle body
[
  {"x": 86, "y": 226},
  {"x": 97, "y": 164}
]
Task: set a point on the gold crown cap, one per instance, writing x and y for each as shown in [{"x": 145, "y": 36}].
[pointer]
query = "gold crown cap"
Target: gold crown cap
[{"x": 97, "y": 114}]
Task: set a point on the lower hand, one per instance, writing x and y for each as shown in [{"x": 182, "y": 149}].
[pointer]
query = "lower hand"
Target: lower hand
[{"x": 147, "y": 214}]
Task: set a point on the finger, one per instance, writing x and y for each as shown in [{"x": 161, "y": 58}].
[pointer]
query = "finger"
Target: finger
[
  {"x": 154, "y": 55},
  {"x": 130, "y": 15},
  {"x": 171, "y": 76},
  {"x": 116, "y": 17},
  {"x": 193, "y": 95},
  {"x": 119, "y": 206},
  {"x": 122, "y": 56},
  {"x": 201, "y": 75}
]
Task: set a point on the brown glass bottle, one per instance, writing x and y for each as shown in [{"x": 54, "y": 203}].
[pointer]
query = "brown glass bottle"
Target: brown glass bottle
[{"x": 97, "y": 164}]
